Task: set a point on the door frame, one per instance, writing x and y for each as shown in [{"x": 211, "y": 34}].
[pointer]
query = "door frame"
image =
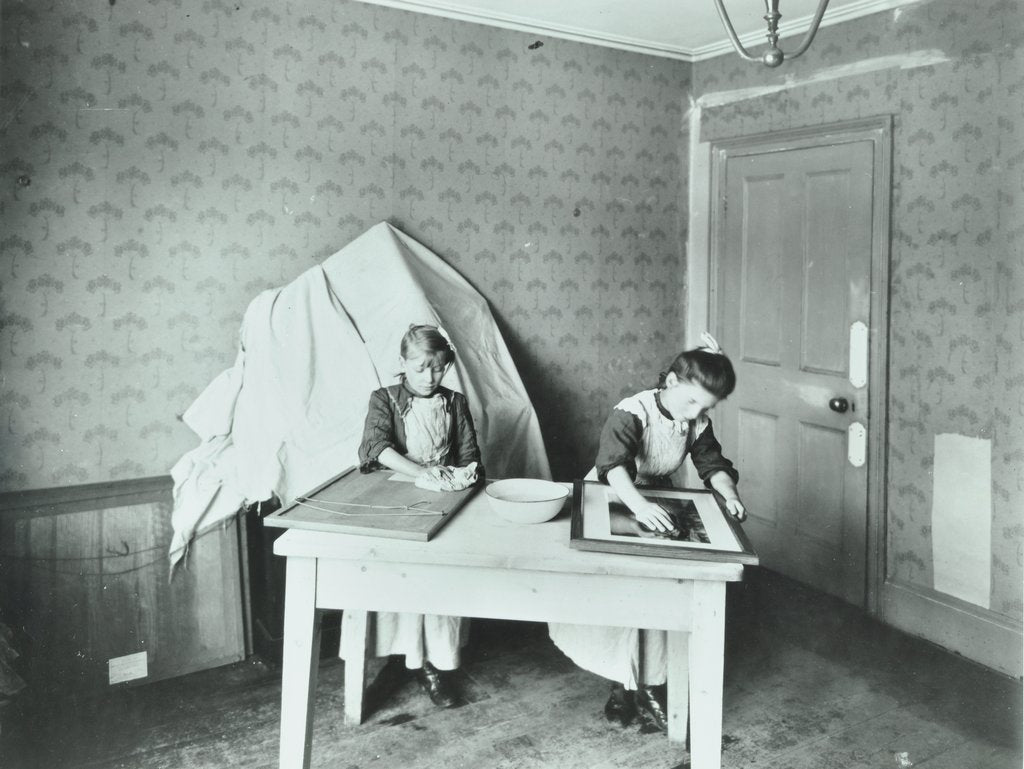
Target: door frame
[{"x": 877, "y": 130}]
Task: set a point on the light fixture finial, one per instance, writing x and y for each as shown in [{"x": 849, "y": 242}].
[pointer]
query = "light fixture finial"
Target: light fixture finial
[{"x": 773, "y": 56}]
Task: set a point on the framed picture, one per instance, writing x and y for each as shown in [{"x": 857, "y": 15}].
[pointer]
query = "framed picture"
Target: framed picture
[{"x": 704, "y": 530}]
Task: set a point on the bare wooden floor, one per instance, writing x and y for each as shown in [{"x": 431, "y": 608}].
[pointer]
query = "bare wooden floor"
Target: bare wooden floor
[{"x": 810, "y": 684}]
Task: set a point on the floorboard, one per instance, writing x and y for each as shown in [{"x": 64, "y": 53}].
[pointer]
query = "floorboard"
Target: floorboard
[{"x": 811, "y": 683}]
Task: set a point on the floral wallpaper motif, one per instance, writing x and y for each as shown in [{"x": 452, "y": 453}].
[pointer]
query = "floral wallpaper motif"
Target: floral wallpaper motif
[
  {"x": 166, "y": 160},
  {"x": 957, "y": 266}
]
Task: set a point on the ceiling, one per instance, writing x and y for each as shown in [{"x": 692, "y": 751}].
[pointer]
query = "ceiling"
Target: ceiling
[{"x": 681, "y": 29}]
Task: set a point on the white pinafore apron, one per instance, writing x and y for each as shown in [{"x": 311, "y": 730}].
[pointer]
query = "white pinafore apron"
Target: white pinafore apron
[
  {"x": 419, "y": 637},
  {"x": 632, "y": 656}
]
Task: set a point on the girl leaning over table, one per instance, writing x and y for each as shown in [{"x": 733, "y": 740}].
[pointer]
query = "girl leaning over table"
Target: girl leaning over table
[
  {"x": 424, "y": 430},
  {"x": 645, "y": 439}
]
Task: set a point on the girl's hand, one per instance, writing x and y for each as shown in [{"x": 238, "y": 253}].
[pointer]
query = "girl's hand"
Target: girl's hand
[
  {"x": 436, "y": 473},
  {"x": 655, "y": 518},
  {"x": 735, "y": 507},
  {"x": 723, "y": 483},
  {"x": 624, "y": 523}
]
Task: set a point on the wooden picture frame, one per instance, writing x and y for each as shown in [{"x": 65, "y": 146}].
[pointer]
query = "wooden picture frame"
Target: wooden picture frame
[{"x": 708, "y": 532}]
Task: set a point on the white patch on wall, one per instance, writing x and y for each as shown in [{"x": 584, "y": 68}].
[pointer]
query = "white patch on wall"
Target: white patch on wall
[
  {"x": 962, "y": 518},
  {"x": 127, "y": 668}
]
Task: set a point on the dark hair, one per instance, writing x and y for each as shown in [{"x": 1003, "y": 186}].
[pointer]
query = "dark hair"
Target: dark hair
[
  {"x": 711, "y": 370},
  {"x": 428, "y": 341}
]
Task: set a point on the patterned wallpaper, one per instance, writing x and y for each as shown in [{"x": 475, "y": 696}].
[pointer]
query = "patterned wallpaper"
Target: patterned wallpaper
[
  {"x": 957, "y": 303},
  {"x": 166, "y": 160}
]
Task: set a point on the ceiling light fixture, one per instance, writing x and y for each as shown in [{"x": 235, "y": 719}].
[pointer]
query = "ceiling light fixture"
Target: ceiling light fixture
[{"x": 774, "y": 56}]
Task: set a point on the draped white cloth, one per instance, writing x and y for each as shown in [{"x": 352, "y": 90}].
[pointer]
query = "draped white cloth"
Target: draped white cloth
[{"x": 289, "y": 414}]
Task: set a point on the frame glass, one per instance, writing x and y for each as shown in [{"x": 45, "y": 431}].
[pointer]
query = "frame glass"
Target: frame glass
[{"x": 706, "y": 532}]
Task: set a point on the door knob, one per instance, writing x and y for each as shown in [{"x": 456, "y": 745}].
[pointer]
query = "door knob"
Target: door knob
[{"x": 839, "y": 405}]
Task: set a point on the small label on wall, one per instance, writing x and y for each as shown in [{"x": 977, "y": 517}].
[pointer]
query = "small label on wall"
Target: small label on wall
[{"x": 128, "y": 668}]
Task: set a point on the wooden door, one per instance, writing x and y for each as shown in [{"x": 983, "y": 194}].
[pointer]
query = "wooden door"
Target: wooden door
[{"x": 793, "y": 261}]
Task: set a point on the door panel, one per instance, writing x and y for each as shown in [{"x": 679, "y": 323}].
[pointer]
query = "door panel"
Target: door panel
[
  {"x": 820, "y": 483},
  {"x": 759, "y": 432},
  {"x": 825, "y": 271},
  {"x": 761, "y": 301},
  {"x": 794, "y": 261}
]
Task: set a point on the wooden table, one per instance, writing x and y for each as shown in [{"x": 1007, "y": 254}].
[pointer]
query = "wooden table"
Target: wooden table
[{"x": 481, "y": 566}]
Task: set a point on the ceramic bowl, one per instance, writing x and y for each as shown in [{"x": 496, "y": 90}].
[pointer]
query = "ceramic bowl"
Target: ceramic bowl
[{"x": 526, "y": 500}]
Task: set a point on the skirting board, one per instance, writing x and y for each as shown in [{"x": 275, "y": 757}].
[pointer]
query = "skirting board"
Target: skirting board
[{"x": 971, "y": 631}]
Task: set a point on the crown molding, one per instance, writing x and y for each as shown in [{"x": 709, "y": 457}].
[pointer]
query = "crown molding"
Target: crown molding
[
  {"x": 525, "y": 24},
  {"x": 461, "y": 12}
]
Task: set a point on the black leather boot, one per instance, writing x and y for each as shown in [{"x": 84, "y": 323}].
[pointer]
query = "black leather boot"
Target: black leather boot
[
  {"x": 437, "y": 686},
  {"x": 650, "y": 705},
  {"x": 620, "y": 707}
]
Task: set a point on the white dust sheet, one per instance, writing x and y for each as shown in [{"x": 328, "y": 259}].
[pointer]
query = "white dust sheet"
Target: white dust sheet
[{"x": 289, "y": 414}]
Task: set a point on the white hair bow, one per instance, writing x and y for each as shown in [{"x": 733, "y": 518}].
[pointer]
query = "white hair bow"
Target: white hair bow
[
  {"x": 447, "y": 338},
  {"x": 710, "y": 344}
]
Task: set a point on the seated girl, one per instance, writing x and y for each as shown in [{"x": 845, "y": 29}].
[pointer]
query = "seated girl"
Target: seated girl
[{"x": 420, "y": 429}]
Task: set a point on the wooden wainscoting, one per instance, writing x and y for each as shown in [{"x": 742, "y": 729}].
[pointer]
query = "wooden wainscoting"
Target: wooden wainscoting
[{"x": 84, "y": 576}]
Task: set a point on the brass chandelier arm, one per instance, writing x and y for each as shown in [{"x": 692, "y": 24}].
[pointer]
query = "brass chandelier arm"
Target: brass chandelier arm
[
  {"x": 812, "y": 31},
  {"x": 732, "y": 32}
]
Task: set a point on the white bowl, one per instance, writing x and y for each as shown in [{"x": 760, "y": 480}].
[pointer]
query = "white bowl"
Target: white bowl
[{"x": 526, "y": 500}]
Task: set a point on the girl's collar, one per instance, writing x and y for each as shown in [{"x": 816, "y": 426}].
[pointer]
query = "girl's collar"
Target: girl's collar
[
  {"x": 664, "y": 411},
  {"x": 408, "y": 391}
]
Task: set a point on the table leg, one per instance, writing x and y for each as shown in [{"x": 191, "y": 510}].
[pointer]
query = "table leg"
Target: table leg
[
  {"x": 355, "y": 669},
  {"x": 300, "y": 656},
  {"x": 707, "y": 658},
  {"x": 678, "y": 685}
]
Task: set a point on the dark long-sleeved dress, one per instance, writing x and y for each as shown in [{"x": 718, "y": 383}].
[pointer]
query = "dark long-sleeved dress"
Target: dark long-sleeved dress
[
  {"x": 641, "y": 436},
  {"x": 386, "y": 418},
  {"x": 434, "y": 430}
]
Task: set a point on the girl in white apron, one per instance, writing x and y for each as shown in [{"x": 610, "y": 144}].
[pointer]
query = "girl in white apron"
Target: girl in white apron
[
  {"x": 423, "y": 430},
  {"x": 644, "y": 441}
]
